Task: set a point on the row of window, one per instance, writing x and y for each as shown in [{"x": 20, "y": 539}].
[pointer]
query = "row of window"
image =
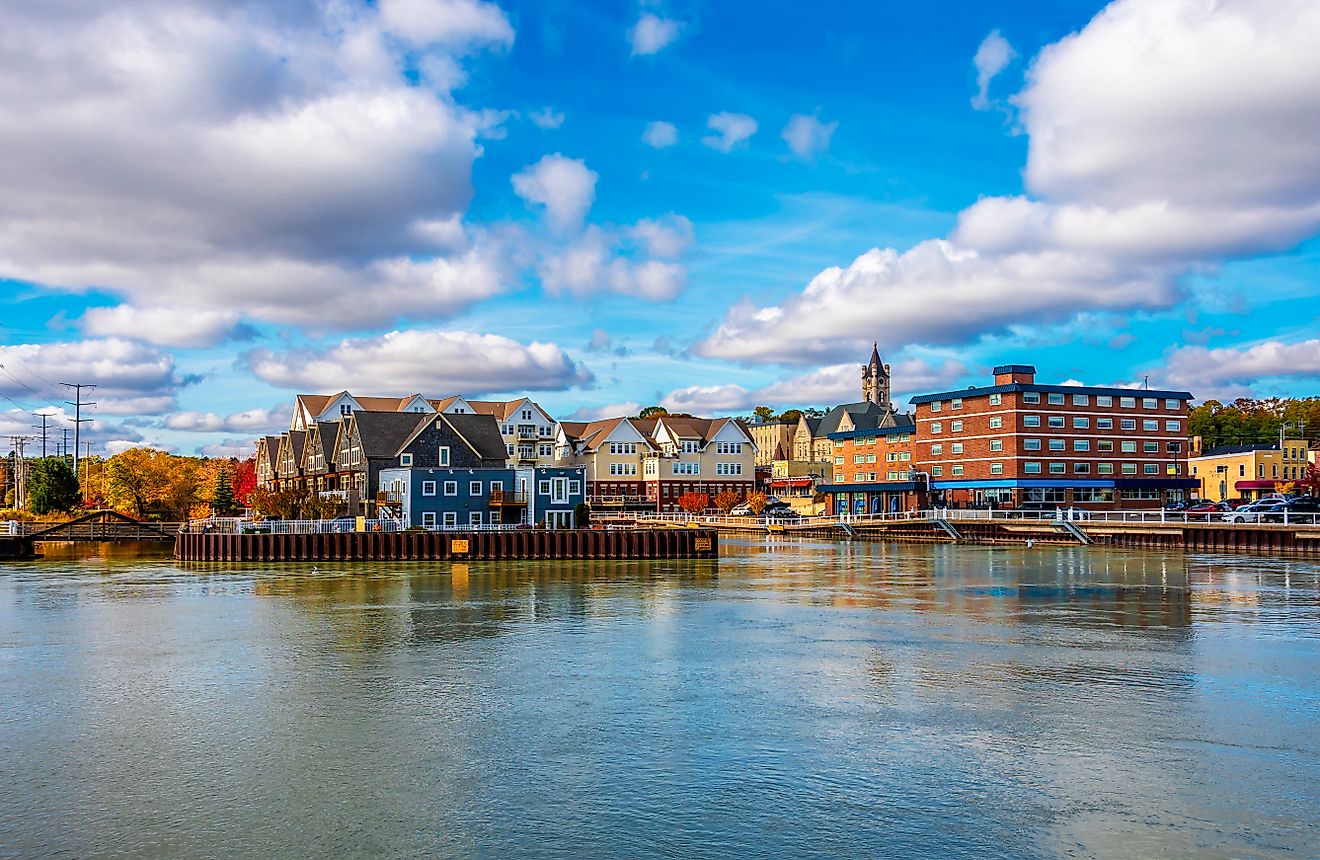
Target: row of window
[
  {"x": 865, "y": 477},
  {"x": 728, "y": 447},
  {"x": 623, "y": 469},
  {"x": 728, "y": 468},
  {"x": 623, "y": 447},
  {"x": 871, "y": 440},
  {"x": 1058, "y": 399},
  {"x": 1290, "y": 473},
  {"x": 475, "y": 488},
  {"x": 1036, "y": 468},
  {"x": 1079, "y": 422}
]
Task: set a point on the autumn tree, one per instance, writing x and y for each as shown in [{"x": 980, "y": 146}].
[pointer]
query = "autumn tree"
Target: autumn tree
[
  {"x": 1311, "y": 479},
  {"x": 652, "y": 412},
  {"x": 52, "y": 486},
  {"x": 245, "y": 480},
  {"x": 727, "y": 500},
  {"x": 222, "y": 499},
  {"x": 694, "y": 503},
  {"x": 756, "y": 501}
]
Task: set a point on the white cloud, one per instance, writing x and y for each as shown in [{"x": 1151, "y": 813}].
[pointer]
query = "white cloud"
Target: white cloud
[
  {"x": 1127, "y": 120},
  {"x": 660, "y": 134},
  {"x": 664, "y": 237},
  {"x": 566, "y": 188},
  {"x": 250, "y": 421},
  {"x": 807, "y": 136},
  {"x": 992, "y": 57},
  {"x": 652, "y": 33},
  {"x": 99, "y": 431},
  {"x": 700, "y": 399},
  {"x": 595, "y": 264},
  {"x": 547, "y": 118},
  {"x": 452, "y": 22},
  {"x": 430, "y": 361},
  {"x": 238, "y": 449},
  {"x": 612, "y": 410},
  {"x": 1213, "y": 372},
  {"x": 186, "y": 327},
  {"x": 152, "y": 149},
  {"x": 732, "y": 130},
  {"x": 130, "y": 378}
]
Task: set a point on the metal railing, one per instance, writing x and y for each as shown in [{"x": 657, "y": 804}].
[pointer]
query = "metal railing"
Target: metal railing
[
  {"x": 1062, "y": 515},
  {"x": 508, "y": 497},
  {"x": 238, "y": 525}
]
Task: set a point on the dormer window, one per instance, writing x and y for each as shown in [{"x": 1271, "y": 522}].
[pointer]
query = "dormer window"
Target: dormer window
[
  {"x": 405, "y": 459},
  {"x": 345, "y": 409}
]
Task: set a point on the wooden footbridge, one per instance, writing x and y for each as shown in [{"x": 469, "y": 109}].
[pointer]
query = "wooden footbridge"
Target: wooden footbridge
[{"x": 19, "y": 539}]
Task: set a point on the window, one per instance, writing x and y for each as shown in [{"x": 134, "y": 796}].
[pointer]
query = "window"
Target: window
[
  {"x": 936, "y": 406},
  {"x": 1104, "y": 468},
  {"x": 509, "y": 450},
  {"x": 1104, "y": 400},
  {"x": 1081, "y": 423},
  {"x": 1092, "y": 494},
  {"x": 955, "y": 426},
  {"x": 996, "y": 423},
  {"x": 428, "y": 519},
  {"x": 1150, "y": 424},
  {"x": 1173, "y": 426},
  {"x": 1129, "y": 447},
  {"x": 1081, "y": 444},
  {"x": 1030, "y": 420},
  {"x": 405, "y": 459},
  {"x": 345, "y": 409},
  {"x": 1260, "y": 470},
  {"x": 449, "y": 518},
  {"x": 996, "y": 399},
  {"x": 474, "y": 488},
  {"x": 527, "y": 415},
  {"x": 543, "y": 488},
  {"x": 444, "y": 455},
  {"x": 1058, "y": 468},
  {"x": 575, "y": 488},
  {"x": 451, "y": 488},
  {"x": 687, "y": 468},
  {"x": 1056, "y": 399},
  {"x": 996, "y": 444},
  {"x": 1031, "y": 397},
  {"x": 1151, "y": 468},
  {"x": 1171, "y": 469},
  {"x": 1150, "y": 447},
  {"x": 1129, "y": 468},
  {"x": 1058, "y": 445},
  {"x": 996, "y": 468},
  {"x": 474, "y": 518},
  {"x": 728, "y": 468},
  {"x": 1081, "y": 468},
  {"x": 1081, "y": 400},
  {"x": 728, "y": 447},
  {"x": 1128, "y": 424},
  {"x": 1242, "y": 471},
  {"x": 1104, "y": 445},
  {"x": 936, "y": 427},
  {"x": 957, "y": 470},
  {"x": 1172, "y": 403},
  {"x": 1149, "y": 403},
  {"x": 1030, "y": 444},
  {"x": 1127, "y": 402},
  {"x": 936, "y": 449},
  {"x": 956, "y": 448},
  {"x": 545, "y": 449},
  {"x": 428, "y": 488},
  {"x": 936, "y": 471},
  {"x": 1057, "y": 421},
  {"x": 1104, "y": 423},
  {"x": 1030, "y": 468}
]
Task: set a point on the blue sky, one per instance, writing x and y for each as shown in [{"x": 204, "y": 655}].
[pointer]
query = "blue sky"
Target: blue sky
[{"x": 212, "y": 206}]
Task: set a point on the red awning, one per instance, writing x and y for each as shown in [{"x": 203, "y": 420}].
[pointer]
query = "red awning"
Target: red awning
[
  {"x": 792, "y": 482},
  {"x": 1254, "y": 485}
]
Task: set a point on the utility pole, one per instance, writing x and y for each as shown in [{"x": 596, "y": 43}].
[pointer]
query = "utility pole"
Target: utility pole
[
  {"x": 44, "y": 418},
  {"x": 64, "y": 452},
  {"x": 78, "y": 421},
  {"x": 20, "y": 471},
  {"x": 82, "y": 485}
]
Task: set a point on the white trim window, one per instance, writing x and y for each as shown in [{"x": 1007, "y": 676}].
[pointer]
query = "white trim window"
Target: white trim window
[
  {"x": 428, "y": 519},
  {"x": 575, "y": 488},
  {"x": 451, "y": 488},
  {"x": 444, "y": 455},
  {"x": 428, "y": 488},
  {"x": 405, "y": 459},
  {"x": 474, "y": 518},
  {"x": 450, "y": 519},
  {"x": 543, "y": 488},
  {"x": 474, "y": 488}
]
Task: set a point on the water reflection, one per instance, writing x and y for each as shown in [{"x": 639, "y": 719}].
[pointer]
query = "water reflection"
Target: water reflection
[{"x": 793, "y": 699}]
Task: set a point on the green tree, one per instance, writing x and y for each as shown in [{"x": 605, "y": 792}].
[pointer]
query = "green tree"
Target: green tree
[
  {"x": 582, "y": 516},
  {"x": 223, "y": 500},
  {"x": 790, "y": 415},
  {"x": 52, "y": 486},
  {"x": 764, "y": 414},
  {"x": 652, "y": 412}
]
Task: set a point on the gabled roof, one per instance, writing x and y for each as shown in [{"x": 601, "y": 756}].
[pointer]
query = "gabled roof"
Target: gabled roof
[
  {"x": 386, "y": 404},
  {"x": 383, "y": 433},
  {"x": 482, "y": 434},
  {"x": 504, "y": 409},
  {"x": 297, "y": 440},
  {"x": 443, "y": 403},
  {"x": 272, "y": 448},
  {"x": 315, "y": 404},
  {"x": 1223, "y": 450},
  {"x": 321, "y": 438},
  {"x": 830, "y": 422},
  {"x": 592, "y": 434},
  {"x": 703, "y": 429}
]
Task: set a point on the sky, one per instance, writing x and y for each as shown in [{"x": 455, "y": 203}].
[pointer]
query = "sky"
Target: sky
[{"x": 212, "y": 205}]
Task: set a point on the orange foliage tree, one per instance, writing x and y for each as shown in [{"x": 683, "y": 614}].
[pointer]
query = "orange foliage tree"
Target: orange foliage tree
[
  {"x": 727, "y": 500},
  {"x": 694, "y": 503},
  {"x": 757, "y": 502}
]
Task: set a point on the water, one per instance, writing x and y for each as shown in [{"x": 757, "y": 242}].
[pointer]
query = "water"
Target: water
[{"x": 817, "y": 700}]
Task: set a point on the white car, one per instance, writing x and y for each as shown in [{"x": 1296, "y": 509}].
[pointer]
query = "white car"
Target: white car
[{"x": 1252, "y": 513}]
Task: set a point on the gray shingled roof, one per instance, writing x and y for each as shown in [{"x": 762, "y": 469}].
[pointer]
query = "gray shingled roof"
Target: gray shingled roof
[
  {"x": 383, "y": 433},
  {"x": 482, "y": 431},
  {"x": 830, "y": 423}
]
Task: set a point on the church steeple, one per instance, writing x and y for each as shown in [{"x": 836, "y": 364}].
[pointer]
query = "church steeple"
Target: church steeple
[{"x": 875, "y": 379}]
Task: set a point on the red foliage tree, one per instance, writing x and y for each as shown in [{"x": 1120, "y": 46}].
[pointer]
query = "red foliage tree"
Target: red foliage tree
[
  {"x": 693, "y": 503},
  {"x": 245, "y": 480}
]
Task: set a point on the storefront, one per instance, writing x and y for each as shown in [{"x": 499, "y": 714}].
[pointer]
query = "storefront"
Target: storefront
[{"x": 873, "y": 498}]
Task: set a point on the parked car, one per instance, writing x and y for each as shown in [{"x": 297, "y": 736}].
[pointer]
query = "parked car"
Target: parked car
[
  {"x": 780, "y": 513},
  {"x": 1033, "y": 510},
  {"x": 1234, "y": 504},
  {"x": 1254, "y": 512},
  {"x": 741, "y": 511},
  {"x": 1303, "y": 509},
  {"x": 1179, "y": 507},
  {"x": 1205, "y": 510}
]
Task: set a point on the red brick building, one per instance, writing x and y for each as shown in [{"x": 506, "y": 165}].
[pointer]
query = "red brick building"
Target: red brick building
[
  {"x": 1018, "y": 441},
  {"x": 875, "y": 471}
]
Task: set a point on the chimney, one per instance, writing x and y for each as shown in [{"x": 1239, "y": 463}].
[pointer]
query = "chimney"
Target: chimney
[{"x": 1015, "y": 374}]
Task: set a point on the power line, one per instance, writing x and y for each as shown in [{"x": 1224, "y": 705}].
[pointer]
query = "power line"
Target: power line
[
  {"x": 44, "y": 418},
  {"x": 78, "y": 421}
]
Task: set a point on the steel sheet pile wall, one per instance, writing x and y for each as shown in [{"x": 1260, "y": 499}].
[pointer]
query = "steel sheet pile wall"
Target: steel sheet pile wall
[{"x": 452, "y": 546}]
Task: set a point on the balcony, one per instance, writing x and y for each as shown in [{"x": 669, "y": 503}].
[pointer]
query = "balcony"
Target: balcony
[
  {"x": 389, "y": 498},
  {"x": 527, "y": 433},
  {"x": 507, "y": 498}
]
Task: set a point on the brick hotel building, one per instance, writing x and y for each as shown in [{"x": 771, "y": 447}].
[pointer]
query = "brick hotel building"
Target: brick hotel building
[{"x": 1018, "y": 441}]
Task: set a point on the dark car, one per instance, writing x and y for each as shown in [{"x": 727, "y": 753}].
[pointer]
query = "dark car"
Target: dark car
[
  {"x": 1033, "y": 510},
  {"x": 1304, "y": 510},
  {"x": 780, "y": 512},
  {"x": 1205, "y": 510}
]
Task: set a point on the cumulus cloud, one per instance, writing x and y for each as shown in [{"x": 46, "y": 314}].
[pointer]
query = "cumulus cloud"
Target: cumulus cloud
[
  {"x": 651, "y": 33},
  {"x": 611, "y": 410},
  {"x": 130, "y": 378},
  {"x": 246, "y": 154},
  {"x": 731, "y": 130},
  {"x": 566, "y": 188},
  {"x": 547, "y": 118},
  {"x": 251, "y": 421},
  {"x": 238, "y": 449},
  {"x": 424, "y": 360},
  {"x": 708, "y": 398},
  {"x": 1214, "y": 372},
  {"x": 664, "y": 237},
  {"x": 1126, "y": 120},
  {"x": 807, "y": 136},
  {"x": 186, "y": 327},
  {"x": 992, "y": 57},
  {"x": 622, "y": 261},
  {"x": 660, "y": 135},
  {"x": 97, "y": 432}
]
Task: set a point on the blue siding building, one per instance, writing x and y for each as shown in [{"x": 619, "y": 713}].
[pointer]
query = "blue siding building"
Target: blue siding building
[{"x": 451, "y": 497}]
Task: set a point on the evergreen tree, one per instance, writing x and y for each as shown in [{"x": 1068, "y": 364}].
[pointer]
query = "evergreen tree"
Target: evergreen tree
[
  {"x": 223, "y": 501},
  {"x": 52, "y": 486}
]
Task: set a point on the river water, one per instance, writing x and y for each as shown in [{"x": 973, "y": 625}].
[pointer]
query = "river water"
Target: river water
[{"x": 791, "y": 700}]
